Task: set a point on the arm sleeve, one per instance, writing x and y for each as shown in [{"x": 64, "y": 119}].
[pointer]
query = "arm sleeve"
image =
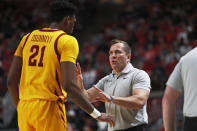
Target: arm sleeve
[
  {"x": 175, "y": 79},
  {"x": 68, "y": 49},
  {"x": 142, "y": 80},
  {"x": 19, "y": 50}
]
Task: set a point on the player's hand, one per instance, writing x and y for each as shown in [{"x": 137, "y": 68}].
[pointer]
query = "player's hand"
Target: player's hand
[
  {"x": 107, "y": 118},
  {"x": 102, "y": 95},
  {"x": 79, "y": 77}
]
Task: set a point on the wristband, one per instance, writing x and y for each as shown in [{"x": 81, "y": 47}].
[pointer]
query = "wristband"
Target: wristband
[{"x": 95, "y": 114}]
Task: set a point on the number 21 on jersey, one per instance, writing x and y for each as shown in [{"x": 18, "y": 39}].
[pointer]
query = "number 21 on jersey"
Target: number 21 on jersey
[{"x": 32, "y": 60}]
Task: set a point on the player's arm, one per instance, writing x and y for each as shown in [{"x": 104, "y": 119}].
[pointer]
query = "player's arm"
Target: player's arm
[
  {"x": 68, "y": 70},
  {"x": 13, "y": 79},
  {"x": 79, "y": 79},
  {"x": 169, "y": 108},
  {"x": 68, "y": 54},
  {"x": 69, "y": 84},
  {"x": 91, "y": 93}
]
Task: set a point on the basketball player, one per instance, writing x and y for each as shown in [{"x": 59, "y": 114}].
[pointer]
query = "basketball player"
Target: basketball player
[{"x": 42, "y": 68}]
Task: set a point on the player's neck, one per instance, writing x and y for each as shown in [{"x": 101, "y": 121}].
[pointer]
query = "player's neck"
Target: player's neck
[{"x": 54, "y": 26}]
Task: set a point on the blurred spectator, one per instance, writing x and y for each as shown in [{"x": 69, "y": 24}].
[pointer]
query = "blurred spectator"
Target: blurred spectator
[{"x": 89, "y": 74}]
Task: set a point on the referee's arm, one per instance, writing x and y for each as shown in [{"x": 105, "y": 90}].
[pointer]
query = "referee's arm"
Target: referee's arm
[{"x": 169, "y": 108}]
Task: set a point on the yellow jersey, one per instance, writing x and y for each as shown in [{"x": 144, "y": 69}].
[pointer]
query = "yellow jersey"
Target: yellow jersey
[{"x": 42, "y": 51}]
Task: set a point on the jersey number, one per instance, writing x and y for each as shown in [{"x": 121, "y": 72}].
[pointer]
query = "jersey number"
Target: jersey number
[{"x": 35, "y": 49}]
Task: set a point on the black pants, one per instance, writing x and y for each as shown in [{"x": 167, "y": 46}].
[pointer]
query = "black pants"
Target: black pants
[
  {"x": 190, "y": 124},
  {"x": 137, "y": 128}
]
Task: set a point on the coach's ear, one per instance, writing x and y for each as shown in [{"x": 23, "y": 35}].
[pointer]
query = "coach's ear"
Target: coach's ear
[{"x": 129, "y": 58}]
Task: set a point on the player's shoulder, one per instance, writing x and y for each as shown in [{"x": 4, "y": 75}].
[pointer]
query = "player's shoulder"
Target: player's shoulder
[
  {"x": 24, "y": 36},
  {"x": 67, "y": 37}
]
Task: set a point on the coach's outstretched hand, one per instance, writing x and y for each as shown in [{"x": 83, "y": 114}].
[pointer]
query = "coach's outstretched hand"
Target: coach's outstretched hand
[
  {"x": 107, "y": 118},
  {"x": 104, "y": 97}
]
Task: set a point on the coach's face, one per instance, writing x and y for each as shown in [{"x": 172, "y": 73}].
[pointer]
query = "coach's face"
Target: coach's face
[{"x": 118, "y": 58}]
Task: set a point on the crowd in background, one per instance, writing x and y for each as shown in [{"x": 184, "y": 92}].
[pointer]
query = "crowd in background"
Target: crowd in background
[{"x": 159, "y": 33}]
